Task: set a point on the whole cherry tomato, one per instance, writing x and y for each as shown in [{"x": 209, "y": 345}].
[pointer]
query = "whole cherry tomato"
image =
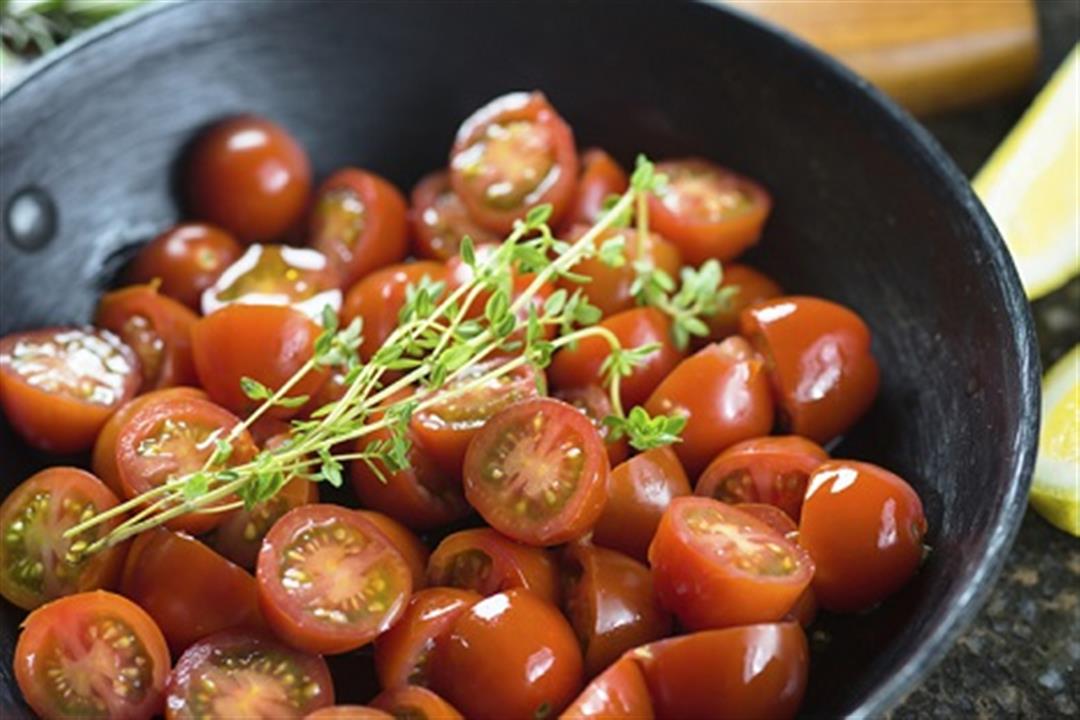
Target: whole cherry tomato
[
  {"x": 415, "y": 702},
  {"x": 595, "y": 403},
  {"x": 378, "y": 298},
  {"x": 481, "y": 559},
  {"x": 600, "y": 177},
  {"x": 185, "y": 260},
  {"x": 749, "y": 286},
  {"x": 300, "y": 278},
  {"x": 617, "y": 693},
  {"x": 413, "y": 552},
  {"x": 439, "y": 219}
]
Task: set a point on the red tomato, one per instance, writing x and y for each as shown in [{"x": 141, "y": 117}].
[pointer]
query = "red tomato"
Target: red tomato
[
  {"x": 403, "y": 652},
  {"x": 819, "y": 362},
  {"x": 185, "y": 259},
  {"x": 618, "y": 692},
  {"x": 329, "y": 580},
  {"x": 58, "y": 386},
  {"x": 510, "y": 155},
  {"x": 413, "y": 552},
  {"x": 300, "y": 278},
  {"x": 266, "y": 428},
  {"x": 750, "y": 287},
  {"x": 595, "y": 403},
  {"x": 723, "y": 392},
  {"x": 38, "y": 563},
  {"x": 708, "y": 210},
  {"x": 805, "y": 609},
  {"x": 350, "y": 712},
  {"x": 93, "y": 655},
  {"x": 639, "y": 491},
  {"x": 481, "y": 559},
  {"x": 743, "y": 673},
  {"x": 864, "y": 528},
  {"x": 537, "y": 472},
  {"x": 415, "y": 702},
  {"x": 771, "y": 515},
  {"x": 600, "y": 177},
  {"x": 245, "y": 675},
  {"x": 439, "y": 219},
  {"x": 359, "y": 223},
  {"x": 715, "y": 566},
  {"x": 511, "y": 655},
  {"x": 248, "y": 176},
  {"x": 771, "y": 470}
]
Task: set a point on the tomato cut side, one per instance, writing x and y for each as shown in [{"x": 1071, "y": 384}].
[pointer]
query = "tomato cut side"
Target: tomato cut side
[
  {"x": 413, "y": 551},
  {"x": 595, "y": 403},
  {"x": 439, "y": 219},
  {"x": 483, "y": 560}
]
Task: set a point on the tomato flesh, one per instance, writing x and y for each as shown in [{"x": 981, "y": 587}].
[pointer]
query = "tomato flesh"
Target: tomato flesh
[
  {"x": 277, "y": 275},
  {"x": 595, "y": 403},
  {"x": 440, "y": 220},
  {"x": 483, "y": 560}
]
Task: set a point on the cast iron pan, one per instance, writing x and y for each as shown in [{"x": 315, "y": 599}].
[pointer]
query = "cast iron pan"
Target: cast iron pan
[{"x": 869, "y": 211}]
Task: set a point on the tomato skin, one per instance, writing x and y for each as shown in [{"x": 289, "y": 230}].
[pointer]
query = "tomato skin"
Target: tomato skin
[
  {"x": 820, "y": 365},
  {"x": 724, "y": 392},
  {"x": 439, "y": 219},
  {"x": 358, "y": 222},
  {"x": 413, "y": 552},
  {"x": 482, "y": 560},
  {"x": 618, "y": 692},
  {"x": 350, "y": 712},
  {"x": 415, "y": 702},
  {"x": 771, "y": 470},
  {"x": 864, "y": 528},
  {"x": 601, "y": 176},
  {"x": 485, "y": 666},
  {"x": 742, "y": 673},
  {"x": 595, "y": 403},
  {"x": 639, "y": 491},
  {"x": 248, "y": 176},
  {"x": 185, "y": 259},
  {"x": 65, "y": 623},
  {"x": 752, "y": 286}
]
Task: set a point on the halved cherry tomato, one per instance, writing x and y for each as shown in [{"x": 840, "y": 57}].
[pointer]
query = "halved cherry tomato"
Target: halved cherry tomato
[
  {"x": 635, "y": 328},
  {"x": 415, "y": 703},
  {"x": 537, "y": 472},
  {"x": 359, "y": 223},
  {"x": 772, "y": 470},
  {"x": 771, "y": 515},
  {"x": 58, "y": 386},
  {"x": 185, "y": 260},
  {"x": 708, "y": 210},
  {"x": 756, "y": 672},
  {"x": 618, "y": 692},
  {"x": 864, "y": 528},
  {"x": 262, "y": 342},
  {"x": 350, "y": 712},
  {"x": 300, "y": 278},
  {"x": 511, "y": 655},
  {"x": 92, "y": 655},
  {"x": 609, "y": 600},
  {"x": 246, "y": 675},
  {"x": 38, "y": 563},
  {"x": 724, "y": 393},
  {"x": 639, "y": 491},
  {"x": 715, "y": 566},
  {"x": 329, "y": 580},
  {"x": 510, "y": 155},
  {"x": 481, "y": 559},
  {"x": 595, "y": 403},
  {"x": 600, "y": 177},
  {"x": 248, "y": 176},
  {"x": 413, "y": 552},
  {"x": 403, "y": 652},
  {"x": 818, "y": 357},
  {"x": 439, "y": 219},
  {"x": 377, "y": 300},
  {"x": 157, "y": 328},
  {"x": 751, "y": 286}
]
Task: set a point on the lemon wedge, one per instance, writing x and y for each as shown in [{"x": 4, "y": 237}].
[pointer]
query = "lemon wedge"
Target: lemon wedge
[
  {"x": 1031, "y": 187},
  {"x": 1056, "y": 490}
]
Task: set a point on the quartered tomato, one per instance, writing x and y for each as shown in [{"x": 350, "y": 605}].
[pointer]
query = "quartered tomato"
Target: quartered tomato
[
  {"x": 750, "y": 286},
  {"x": 415, "y": 703},
  {"x": 413, "y": 552},
  {"x": 772, "y": 470},
  {"x": 300, "y": 278},
  {"x": 481, "y": 559},
  {"x": 245, "y": 675},
  {"x": 37, "y": 562},
  {"x": 439, "y": 219},
  {"x": 537, "y": 472},
  {"x": 864, "y": 528},
  {"x": 92, "y": 655},
  {"x": 609, "y": 600},
  {"x": 755, "y": 672},
  {"x": 511, "y": 655},
  {"x": 510, "y": 155},
  {"x": 350, "y": 712},
  {"x": 157, "y": 328},
  {"x": 185, "y": 260},
  {"x": 818, "y": 357},
  {"x": 359, "y": 223},
  {"x": 708, "y": 210},
  {"x": 723, "y": 392},
  {"x": 715, "y": 566},
  {"x": 600, "y": 177},
  {"x": 329, "y": 580},
  {"x": 58, "y": 386},
  {"x": 618, "y": 693},
  {"x": 595, "y": 403}
]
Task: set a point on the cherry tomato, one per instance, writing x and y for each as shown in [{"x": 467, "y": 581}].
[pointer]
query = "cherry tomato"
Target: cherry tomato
[
  {"x": 244, "y": 675},
  {"x": 609, "y": 600},
  {"x": 537, "y": 472},
  {"x": 248, "y": 176},
  {"x": 92, "y": 655},
  {"x": 378, "y": 298},
  {"x": 359, "y": 223},
  {"x": 750, "y": 286},
  {"x": 266, "y": 428},
  {"x": 723, "y": 392},
  {"x": 403, "y": 652},
  {"x": 58, "y": 386},
  {"x": 864, "y": 528},
  {"x": 771, "y": 515},
  {"x": 715, "y": 566},
  {"x": 460, "y": 273},
  {"x": 185, "y": 259},
  {"x": 743, "y": 673},
  {"x": 772, "y": 470},
  {"x": 300, "y": 278},
  {"x": 415, "y": 702},
  {"x": 595, "y": 403},
  {"x": 600, "y": 177},
  {"x": 511, "y": 655},
  {"x": 38, "y": 563},
  {"x": 618, "y": 692},
  {"x": 413, "y": 552},
  {"x": 510, "y": 155},
  {"x": 818, "y": 357},
  {"x": 329, "y": 580},
  {"x": 708, "y": 210},
  {"x": 639, "y": 491},
  {"x": 439, "y": 219},
  {"x": 481, "y": 559},
  {"x": 350, "y": 712}
]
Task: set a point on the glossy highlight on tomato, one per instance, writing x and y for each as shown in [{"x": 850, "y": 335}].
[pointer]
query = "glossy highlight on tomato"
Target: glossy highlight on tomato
[
  {"x": 439, "y": 219},
  {"x": 488, "y": 562},
  {"x": 185, "y": 260},
  {"x": 749, "y": 286},
  {"x": 617, "y": 693}
]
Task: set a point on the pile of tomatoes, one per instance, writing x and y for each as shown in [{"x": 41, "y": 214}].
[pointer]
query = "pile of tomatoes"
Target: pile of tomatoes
[{"x": 670, "y": 583}]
